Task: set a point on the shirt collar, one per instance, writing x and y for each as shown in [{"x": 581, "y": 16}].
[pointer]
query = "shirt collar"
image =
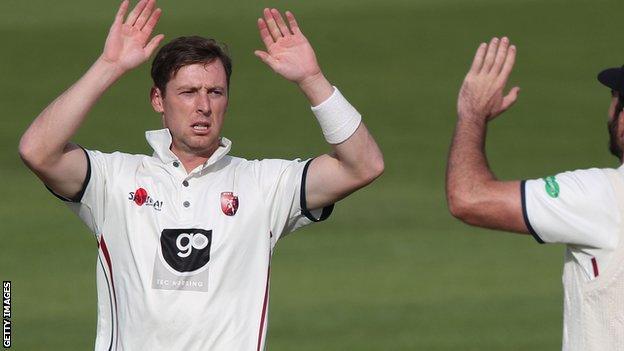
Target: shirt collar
[{"x": 160, "y": 141}]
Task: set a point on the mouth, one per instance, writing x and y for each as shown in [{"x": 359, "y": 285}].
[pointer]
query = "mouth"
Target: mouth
[{"x": 201, "y": 127}]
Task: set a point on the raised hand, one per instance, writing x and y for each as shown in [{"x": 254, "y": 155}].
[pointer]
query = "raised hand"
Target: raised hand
[
  {"x": 288, "y": 52},
  {"x": 481, "y": 95},
  {"x": 128, "y": 44}
]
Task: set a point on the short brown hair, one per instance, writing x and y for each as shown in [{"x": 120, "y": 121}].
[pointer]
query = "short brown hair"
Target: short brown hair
[{"x": 184, "y": 51}]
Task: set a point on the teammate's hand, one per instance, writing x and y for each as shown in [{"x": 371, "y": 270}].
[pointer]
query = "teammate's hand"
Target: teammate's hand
[
  {"x": 127, "y": 43},
  {"x": 481, "y": 95},
  {"x": 288, "y": 52}
]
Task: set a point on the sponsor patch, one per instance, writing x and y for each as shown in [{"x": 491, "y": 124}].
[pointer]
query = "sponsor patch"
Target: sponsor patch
[
  {"x": 141, "y": 198},
  {"x": 182, "y": 260},
  {"x": 551, "y": 186}
]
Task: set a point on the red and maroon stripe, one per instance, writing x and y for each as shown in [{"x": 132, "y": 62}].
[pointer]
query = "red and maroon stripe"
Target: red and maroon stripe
[
  {"x": 595, "y": 266},
  {"x": 109, "y": 263},
  {"x": 264, "y": 309}
]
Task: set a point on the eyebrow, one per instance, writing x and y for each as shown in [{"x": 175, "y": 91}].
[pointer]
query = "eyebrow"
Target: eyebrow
[{"x": 192, "y": 87}]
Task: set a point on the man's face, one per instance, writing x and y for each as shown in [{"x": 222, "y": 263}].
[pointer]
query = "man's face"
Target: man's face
[
  {"x": 194, "y": 107},
  {"x": 613, "y": 124}
]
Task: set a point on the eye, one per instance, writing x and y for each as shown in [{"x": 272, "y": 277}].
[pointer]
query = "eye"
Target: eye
[{"x": 216, "y": 92}]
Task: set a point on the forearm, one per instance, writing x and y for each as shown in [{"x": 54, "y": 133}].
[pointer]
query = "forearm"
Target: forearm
[
  {"x": 468, "y": 169},
  {"x": 473, "y": 193},
  {"x": 342, "y": 127},
  {"x": 360, "y": 155},
  {"x": 316, "y": 88},
  {"x": 47, "y": 136},
  {"x": 356, "y": 159}
]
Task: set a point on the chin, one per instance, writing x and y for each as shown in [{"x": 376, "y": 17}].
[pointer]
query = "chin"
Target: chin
[{"x": 203, "y": 147}]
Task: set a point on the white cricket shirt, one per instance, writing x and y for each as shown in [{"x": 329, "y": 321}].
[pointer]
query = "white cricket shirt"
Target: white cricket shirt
[
  {"x": 184, "y": 258},
  {"x": 583, "y": 210}
]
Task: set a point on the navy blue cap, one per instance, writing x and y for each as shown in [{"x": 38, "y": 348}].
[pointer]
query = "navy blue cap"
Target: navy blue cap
[{"x": 613, "y": 78}]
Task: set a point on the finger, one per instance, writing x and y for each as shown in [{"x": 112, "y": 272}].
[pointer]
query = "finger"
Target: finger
[
  {"x": 266, "y": 37},
  {"x": 151, "y": 22},
  {"x": 273, "y": 29},
  {"x": 489, "y": 56},
  {"x": 121, "y": 12},
  {"x": 145, "y": 14},
  {"x": 510, "y": 98},
  {"x": 508, "y": 65},
  {"x": 266, "y": 58},
  {"x": 294, "y": 26},
  {"x": 501, "y": 55},
  {"x": 277, "y": 16},
  {"x": 153, "y": 44},
  {"x": 477, "y": 62},
  {"x": 134, "y": 14}
]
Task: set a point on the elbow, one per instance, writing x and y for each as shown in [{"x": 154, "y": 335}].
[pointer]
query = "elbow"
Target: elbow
[
  {"x": 374, "y": 170},
  {"x": 26, "y": 152},
  {"x": 377, "y": 168},
  {"x": 457, "y": 207},
  {"x": 463, "y": 208},
  {"x": 30, "y": 154}
]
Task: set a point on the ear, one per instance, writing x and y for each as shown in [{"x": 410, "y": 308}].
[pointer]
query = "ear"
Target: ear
[
  {"x": 620, "y": 125},
  {"x": 156, "y": 98}
]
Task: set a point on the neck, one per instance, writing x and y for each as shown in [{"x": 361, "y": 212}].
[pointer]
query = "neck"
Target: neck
[{"x": 191, "y": 160}]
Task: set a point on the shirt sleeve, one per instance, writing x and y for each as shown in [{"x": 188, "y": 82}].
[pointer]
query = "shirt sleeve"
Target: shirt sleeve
[
  {"x": 89, "y": 203},
  {"x": 282, "y": 183},
  {"x": 576, "y": 208}
]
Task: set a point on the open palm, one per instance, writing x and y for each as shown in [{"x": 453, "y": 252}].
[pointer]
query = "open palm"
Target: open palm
[
  {"x": 128, "y": 44},
  {"x": 288, "y": 51}
]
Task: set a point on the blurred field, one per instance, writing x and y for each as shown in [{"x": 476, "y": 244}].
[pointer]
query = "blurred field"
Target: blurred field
[{"x": 392, "y": 270}]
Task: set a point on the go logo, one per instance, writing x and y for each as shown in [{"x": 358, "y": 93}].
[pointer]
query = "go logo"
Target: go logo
[
  {"x": 186, "y": 250},
  {"x": 193, "y": 241}
]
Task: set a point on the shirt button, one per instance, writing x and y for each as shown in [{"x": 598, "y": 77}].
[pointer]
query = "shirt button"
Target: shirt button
[
  {"x": 176, "y": 164},
  {"x": 186, "y": 204},
  {"x": 185, "y": 183}
]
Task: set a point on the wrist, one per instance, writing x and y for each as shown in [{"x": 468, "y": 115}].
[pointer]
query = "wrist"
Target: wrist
[
  {"x": 316, "y": 88},
  {"x": 337, "y": 117},
  {"x": 109, "y": 71},
  {"x": 472, "y": 123},
  {"x": 472, "y": 117}
]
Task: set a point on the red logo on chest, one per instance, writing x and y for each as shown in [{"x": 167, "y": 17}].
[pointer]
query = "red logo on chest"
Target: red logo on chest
[
  {"x": 140, "y": 196},
  {"x": 229, "y": 203}
]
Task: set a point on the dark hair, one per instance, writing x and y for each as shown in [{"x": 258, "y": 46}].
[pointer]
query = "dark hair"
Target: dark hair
[{"x": 184, "y": 51}]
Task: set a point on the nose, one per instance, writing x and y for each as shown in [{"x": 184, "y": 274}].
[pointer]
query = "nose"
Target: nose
[{"x": 203, "y": 104}]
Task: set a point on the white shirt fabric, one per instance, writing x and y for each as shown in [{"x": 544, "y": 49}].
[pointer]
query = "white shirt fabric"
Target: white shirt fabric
[
  {"x": 581, "y": 209},
  {"x": 184, "y": 258}
]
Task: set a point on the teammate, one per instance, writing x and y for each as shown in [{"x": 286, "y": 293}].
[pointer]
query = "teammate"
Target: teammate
[
  {"x": 583, "y": 208},
  {"x": 186, "y": 236}
]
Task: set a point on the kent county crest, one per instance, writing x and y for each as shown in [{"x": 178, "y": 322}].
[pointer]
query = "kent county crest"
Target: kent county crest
[{"x": 229, "y": 203}]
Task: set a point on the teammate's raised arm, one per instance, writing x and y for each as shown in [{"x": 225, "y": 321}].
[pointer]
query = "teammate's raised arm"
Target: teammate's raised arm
[
  {"x": 474, "y": 194},
  {"x": 356, "y": 160},
  {"x": 45, "y": 146}
]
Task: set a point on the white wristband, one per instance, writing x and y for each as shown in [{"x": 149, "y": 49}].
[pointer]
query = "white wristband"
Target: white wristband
[{"x": 338, "y": 119}]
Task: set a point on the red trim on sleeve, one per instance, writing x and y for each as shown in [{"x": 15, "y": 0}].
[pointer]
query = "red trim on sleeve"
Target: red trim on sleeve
[{"x": 595, "y": 266}]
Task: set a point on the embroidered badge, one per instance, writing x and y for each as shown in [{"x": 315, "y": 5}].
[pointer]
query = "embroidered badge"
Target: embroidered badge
[
  {"x": 229, "y": 203},
  {"x": 552, "y": 187}
]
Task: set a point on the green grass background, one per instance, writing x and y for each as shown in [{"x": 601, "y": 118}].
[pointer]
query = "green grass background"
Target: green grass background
[{"x": 391, "y": 270}]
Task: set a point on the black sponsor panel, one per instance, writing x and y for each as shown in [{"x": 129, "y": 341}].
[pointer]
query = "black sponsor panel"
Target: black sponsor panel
[{"x": 186, "y": 250}]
